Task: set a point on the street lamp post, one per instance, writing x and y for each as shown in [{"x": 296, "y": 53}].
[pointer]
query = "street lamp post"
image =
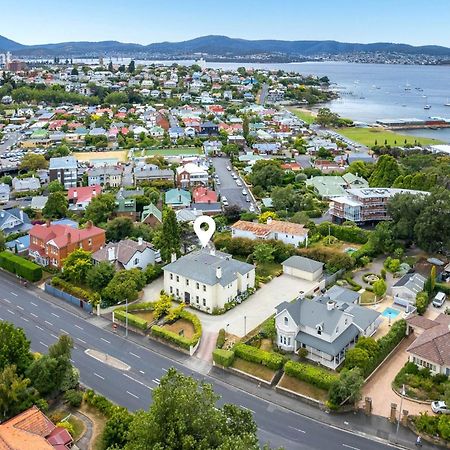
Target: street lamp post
[
  {"x": 245, "y": 325},
  {"x": 126, "y": 317},
  {"x": 400, "y": 412},
  {"x": 226, "y": 328}
]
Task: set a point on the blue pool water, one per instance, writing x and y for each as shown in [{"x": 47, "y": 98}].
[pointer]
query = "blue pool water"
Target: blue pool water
[{"x": 391, "y": 312}]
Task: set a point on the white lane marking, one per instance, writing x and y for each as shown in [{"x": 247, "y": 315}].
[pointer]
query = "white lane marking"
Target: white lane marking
[
  {"x": 134, "y": 354},
  {"x": 53, "y": 335},
  {"x": 56, "y": 315},
  {"x": 11, "y": 312},
  {"x": 39, "y": 328},
  {"x": 13, "y": 293},
  {"x": 165, "y": 370},
  {"x": 349, "y": 446},
  {"x": 19, "y": 307},
  {"x": 24, "y": 318},
  {"x": 34, "y": 304},
  {"x": 72, "y": 361},
  {"x": 63, "y": 331},
  {"x": 6, "y": 300},
  {"x": 78, "y": 326},
  {"x": 136, "y": 381},
  {"x": 298, "y": 429},
  {"x": 49, "y": 323},
  {"x": 34, "y": 315},
  {"x": 97, "y": 375},
  {"x": 156, "y": 381},
  {"x": 133, "y": 395},
  {"x": 141, "y": 371},
  {"x": 248, "y": 409},
  {"x": 106, "y": 340},
  {"x": 45, "y": 345},
  {"x": 81, "y": 340}
]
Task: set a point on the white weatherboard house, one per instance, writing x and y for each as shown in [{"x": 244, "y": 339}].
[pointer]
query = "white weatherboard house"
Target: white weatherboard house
[
  {"x": 407, "y": 287},
  {"x": 326, "y": 328},
  {"x": 208, "y": 279}
]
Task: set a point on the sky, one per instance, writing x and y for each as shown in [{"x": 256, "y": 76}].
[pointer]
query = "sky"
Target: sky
[{"x": 415, "y": 22}]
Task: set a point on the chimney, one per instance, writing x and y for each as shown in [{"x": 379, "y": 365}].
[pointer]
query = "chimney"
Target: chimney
[
  {"x": 69, "y": 237},
  {"x": 75, "y": 194},
  {"x": 173, "y": 257},
  {"x": 212, "y": 252},
  {"x": 140, "y": 241},
  {"x": 330, "y": 305},
  {"x": 111, "y": 253},
  {"x": 269, "y": 220},
  {"x": 89, "y": 224},
  {"x": 301, "y": 295},
  {"x": 219, "y": 272},
  {"x": 21, "y": 215},
  {"x": 48, "y": 223}
]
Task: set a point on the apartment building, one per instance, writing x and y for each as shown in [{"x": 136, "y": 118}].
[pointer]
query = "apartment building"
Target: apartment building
[
  {"x": 65, "y": 170},
  {"x": 51, "y": 244},
  {"x": 110, "y": 176},
  {"x": 365, "y": 205}
]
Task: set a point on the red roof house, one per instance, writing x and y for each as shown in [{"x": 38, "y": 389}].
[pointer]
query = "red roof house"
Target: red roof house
[
  {"x": 204, "y": 195},
  {"x": 80, "y": 197}
]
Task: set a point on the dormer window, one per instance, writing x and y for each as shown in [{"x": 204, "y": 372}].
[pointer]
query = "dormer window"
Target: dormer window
[
  {"x": 286, "y": 321},
  {"x": 319, "y": 328}
]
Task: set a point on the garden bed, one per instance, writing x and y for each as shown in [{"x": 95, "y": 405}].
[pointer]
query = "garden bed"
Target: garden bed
[
  {"x": 181, "y": 326},
  {"x": 367, "y": 298},
  {"x": 148, "y": 316},
  {"x": 256, "y": 370},
  {"x": 302, "y": 388}
]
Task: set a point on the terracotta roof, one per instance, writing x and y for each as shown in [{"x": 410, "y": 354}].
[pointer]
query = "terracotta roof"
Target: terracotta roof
[
  {"x": 421, "y": 322},
  {"x": 263, "y": 229},
  {"x": 31, "y": 430},
  {"x": 434, "y": 343},
  {"x": 204, "y": 195},
  {"x": 84, "y": 193}
]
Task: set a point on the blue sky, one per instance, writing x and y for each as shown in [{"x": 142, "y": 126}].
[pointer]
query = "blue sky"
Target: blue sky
[{"x": 415, "y": 22}]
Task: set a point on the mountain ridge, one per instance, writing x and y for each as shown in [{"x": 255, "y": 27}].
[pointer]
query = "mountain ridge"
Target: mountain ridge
[{"x": 219, "y": 46}]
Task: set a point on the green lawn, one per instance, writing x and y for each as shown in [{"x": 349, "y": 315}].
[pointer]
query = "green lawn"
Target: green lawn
[
  {"x": 303, "y": 115},
  {"x": 367, "y": 297},
  {"x": 268, "y": 269},
  {"x": 368, "y": 136},
  {"x": 303, "y": 388},
  {"x": 257, "y": 370},
  {"x": 175, "y": 151}
]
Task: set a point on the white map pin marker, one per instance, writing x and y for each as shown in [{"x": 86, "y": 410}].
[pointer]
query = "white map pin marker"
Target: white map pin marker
[{"x": 204, "y": 235}]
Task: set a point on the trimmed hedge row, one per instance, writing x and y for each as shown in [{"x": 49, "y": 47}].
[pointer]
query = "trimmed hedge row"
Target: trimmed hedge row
[
  {"x": 223, "y": 357},
  {"x": 354, "y": 285},
  {"x": 220, "y": 338},
  {"x": 186, "y": 315},
  {"x": 20, "y": 266},
  {"x": 105, "y": 406},
  {"x": 445, "y": 288},
  {"x": 133, "y": 320},
  {"x": 172, "y": 337},
  {"x": 146, "y": 306},
  {"x": 91, "y": 297},
  {"x": 310, "y": 374},
  {"x": 271, "y": 360}
]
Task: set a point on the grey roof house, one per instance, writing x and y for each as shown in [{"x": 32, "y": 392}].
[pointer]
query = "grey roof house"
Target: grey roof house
[
  {"x": 326, "y": 328},
  {"x": 13, "y": 220}
]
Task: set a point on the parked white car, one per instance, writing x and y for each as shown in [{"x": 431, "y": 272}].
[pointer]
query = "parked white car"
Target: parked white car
[
  {"x": 440, "y": 408},
  {"x": 439, "y": 299}
]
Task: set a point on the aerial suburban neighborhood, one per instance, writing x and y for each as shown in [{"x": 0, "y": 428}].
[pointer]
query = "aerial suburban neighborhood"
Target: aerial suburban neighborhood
[{"x": 316, "y": 309}]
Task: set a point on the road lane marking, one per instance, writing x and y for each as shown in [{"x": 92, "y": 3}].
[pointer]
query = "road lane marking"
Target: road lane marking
[
  {"x": 45, "y": 345},
  {"x": 11, "y": 312},
  {"x": 134, "y": 354},
  {"x": 298, "y": 429},
  {"x": 133, "y": 395},
  {"x": 34, "y": 304},
  {"x": 248, "y": 409},
  {"x": 34, "y": 315},
  {"x": 49, "y": 323},
  {"x": 19, "y": 307},
  {"x": 141, "y": 371},
  {"x": 165, "y": 370},
  {"x": 136, "y": 381},
  {"x": 6, "y": 300},
  {"x": 24, "y": 318},
  {"x": 56, "y": 315},
  {"x": 53, "y": 335},
  {"x": 97, "y": 375},
  {"x": 106, "y": 340},
  {"x": 349, "y": 446},
  {"x": 81, "y": 340},
  {"x": 63, "y": 331},
  {"x": 78, "y": 327},
  {"x": 39, "y": 328},
  {"x": 13, "y": 293}
]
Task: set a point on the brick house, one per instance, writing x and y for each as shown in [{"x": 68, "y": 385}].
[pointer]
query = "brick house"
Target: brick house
[{"x": 51, "y": 244}]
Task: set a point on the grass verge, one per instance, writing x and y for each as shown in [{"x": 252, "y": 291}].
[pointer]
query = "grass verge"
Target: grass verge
[{"x": 257, "y": 370}]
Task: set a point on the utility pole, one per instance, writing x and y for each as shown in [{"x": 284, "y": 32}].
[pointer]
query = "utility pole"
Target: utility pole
[
  {"x": 245, "y": 325},
  {"x": 126, "y": 317},
  {"x": 400, "y": 411}
]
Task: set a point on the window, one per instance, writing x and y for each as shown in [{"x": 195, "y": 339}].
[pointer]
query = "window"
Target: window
[
  {"x": 319, "y": 330},
  {"x": 337, "y": 329},
  {"x": 136, "y": 261},
  {"x": 171, "y": 289},
  {"x": 178, "y": 293},
  {"x": 171, "y": 276},
  {"x": 204, "y": 288},
  {"x": 196, "y": 299},
  {"x": 90, "y": 241},
  {"x": 286, "y": 321},
  {"x": 248, "y": 276},
  {"x": 187, "y": 282},
  {"x": 289, "y": 341},
  {"x": 178, "y": 278},
  {"x": 197, "y": 285},
  {"x": 204, "y": 302}
]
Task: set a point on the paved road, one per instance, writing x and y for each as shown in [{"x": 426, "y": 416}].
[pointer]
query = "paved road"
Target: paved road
[
  {"x": 263, "y": 94},
  {"x": 228, "y": 186},
  {"x": 43, "y": 321}
]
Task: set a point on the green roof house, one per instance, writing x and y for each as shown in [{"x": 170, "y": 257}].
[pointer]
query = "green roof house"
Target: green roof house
[
  {"x": 151, "y": 215},
  {"x": 178, "y": 198}
]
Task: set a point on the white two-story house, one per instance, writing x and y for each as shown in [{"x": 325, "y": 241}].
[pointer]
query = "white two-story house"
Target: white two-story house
[{"x": 208, "y": 279}]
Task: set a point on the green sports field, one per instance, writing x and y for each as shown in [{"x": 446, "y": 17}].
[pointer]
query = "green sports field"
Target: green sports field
[
  {"x": 370, "y": 136},
  {"x": 304, "y": 115},
  {"x": 175, "y": 151}
]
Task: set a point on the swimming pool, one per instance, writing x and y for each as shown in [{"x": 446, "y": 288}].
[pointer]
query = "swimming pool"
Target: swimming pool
[{"x": 391, "y": 312}]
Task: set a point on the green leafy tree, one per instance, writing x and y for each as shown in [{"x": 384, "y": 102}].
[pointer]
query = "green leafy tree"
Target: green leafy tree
[
  {"x": 347, "y": 388},
  {"x": 32, "y": 162},
  {"x": 184, "y": 415},
  {"x": 125, "y": 284},
  {"x": 100, "y": 208},
  {"x": 55, "y": 186},
  {"x": 116, "y": 428},
  {"x": 267, "y": 174},
  {"x": 100, "y": 275},
  {"x": 169, "y": 239},
  {"x": 267, "y": 215},
  {"x": 119, "y": 228},
  {"x": 357, "y": 357},
  {"x": 327, "y": 118},
  {"x": 263, "y": 253},
  {"x": 385, "y": 172},
  {"x": 14, "y": 348},
  {"x": 162, "y": 306},
  {"x": 16, "y": 395},
  {"x": 2, "y": 241},
  {"x": 77, "y": 265},
  {"x": 404, "y": 210},
  {"x": 379, "y": 288},
  {"x": 56, "y": 206},
  {"x": 132, "y": 67}
]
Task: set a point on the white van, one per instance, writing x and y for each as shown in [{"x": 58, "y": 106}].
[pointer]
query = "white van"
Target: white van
[{"x": 439, "y": 299}]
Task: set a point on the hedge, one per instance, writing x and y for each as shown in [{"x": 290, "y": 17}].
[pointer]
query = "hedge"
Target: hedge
[
  {"x": 316, "y": 376},
  {"x": 355, "y": 286},
  {"x": 220, "y": 338},
  {"x": 271, "y": 360},
  {"x": 174, "y": 338},
  {"x": 105, "y": 406},
  {"x": 145, "y": 306},
  {"x": 347, "y": 233},
  {"x": 83, "y": 294},
  {"x": 133, "y": 320},
  {"x": 20, "y": 266},
  {"x": 443, "y": 287},
  {"x": 186, "y": 315},
  {"x": 223, "y": 357}
]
